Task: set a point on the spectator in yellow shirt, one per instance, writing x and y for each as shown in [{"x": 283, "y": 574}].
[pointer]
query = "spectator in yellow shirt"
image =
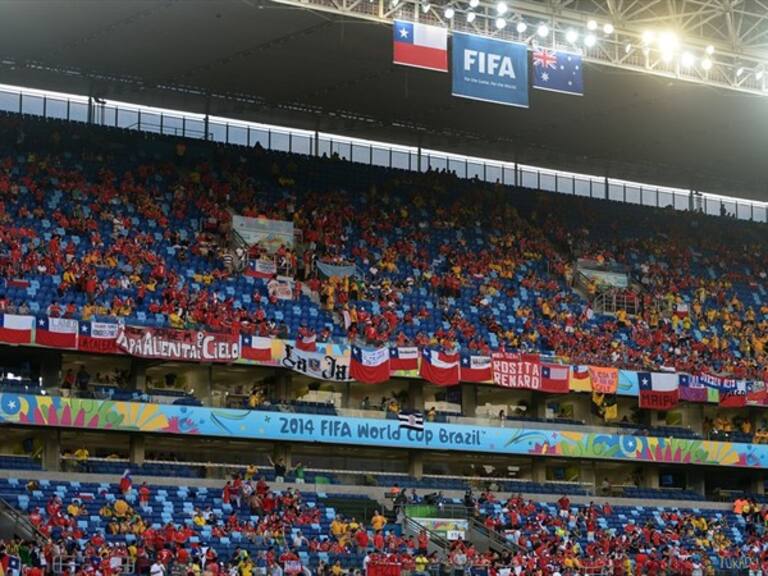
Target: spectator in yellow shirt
[{"x": 378, "y": 521}]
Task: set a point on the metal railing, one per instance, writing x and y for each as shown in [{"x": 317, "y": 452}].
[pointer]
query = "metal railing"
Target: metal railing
[{"x": 109, "y": 113}]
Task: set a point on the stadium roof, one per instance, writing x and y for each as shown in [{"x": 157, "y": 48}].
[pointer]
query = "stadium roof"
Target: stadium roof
[{"x": 281, "y": 64}]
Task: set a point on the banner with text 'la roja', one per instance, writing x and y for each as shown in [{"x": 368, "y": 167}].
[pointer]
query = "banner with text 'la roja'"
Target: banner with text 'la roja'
[
  {"x": 490, "y": 70},
  {"x": 515, "y": 370}
]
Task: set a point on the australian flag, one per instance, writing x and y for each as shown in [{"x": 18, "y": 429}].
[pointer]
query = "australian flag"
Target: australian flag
[{"x": 557, "y": 71}]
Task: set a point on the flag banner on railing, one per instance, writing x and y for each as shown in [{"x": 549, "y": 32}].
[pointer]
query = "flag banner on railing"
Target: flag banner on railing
[
  {"x": 580, "y": 379},
  {"x": 261, "y": 268},
  {"x": 554, "y": 378},
  {"x": 256, "y": 348},
  {"x": 515, "y": 370},
  {"x": 604, "y": 380},
  {"x": 475, "y": 369},
  {"x": 404, "y": 358},
  {"x": 658, "y": 390},
  {"x": 490, "y": 70},
  {"x": 369, "y": 366},
  {"x": 316, "y": 364},
  {"x": 557, "y": 71},
  {"x": 168, "y": 344},
  {"x": 98, "y": 337},
  {"x": 56, "y": 332},
  {"x": 692, "y": 389},
  {"x": 16, "y": 329},
  {"x": 439, "y": 368}
]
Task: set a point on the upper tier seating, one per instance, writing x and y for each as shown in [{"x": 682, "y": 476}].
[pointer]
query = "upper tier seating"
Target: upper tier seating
[{"x": 101, "y": 223}]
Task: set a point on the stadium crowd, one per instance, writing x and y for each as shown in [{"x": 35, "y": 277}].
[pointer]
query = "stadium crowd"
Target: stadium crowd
[
  {"x": 102, "y": 224},
  {"x": 277, "y": 531}
]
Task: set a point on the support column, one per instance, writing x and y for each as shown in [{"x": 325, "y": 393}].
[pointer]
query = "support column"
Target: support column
[
  {"x": 415, "y": 464},
  {"x": 50, "y": 369},
  {"x": 346, "y": 394},
  {"x": 538, "y": 471},
  {"x": 416, "y": 395},
  {"x": 695, "y": 481},
  {"x": 282, "y": 452},
  {"x": 51, "y": 460},
  {"x": 469, "y": 400},
  {"x": 137, "y": 378},
  {"x": 136, "y": 450},
  {"x": 757, "y": 485},
  {"x": 281, "y": 391},
  {"x": 650, "y": 477}
]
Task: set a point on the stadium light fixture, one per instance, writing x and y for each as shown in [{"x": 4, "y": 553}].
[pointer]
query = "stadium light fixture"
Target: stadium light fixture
[
  {"x": 590, "y": 40},
  {"x": 449, "y": 13},
  {"x": 608, "y": 29},
  {"x": 474, "y": 3},
  {"x": 522, "y": 27},
  {"x": 759, "y": 74},
  {"x": 542, "y": 30},
  {"x": 572, "y": 36},
  {"x": 425, "y": 7},
  {"x": 710, "y": 50},
  {"x": 628, "y": 48},
  {"x": 739, "y": 72},
  {"x": 687, "y": 59},
  {"x": 592, "y": 25},
  {"x": 501, "y": 8},
  {"x": 500, "y": 23},
  {"x": 648, "y": 37},
  {"x": 470, "y": 17},
  {"x": 395, "y": 3},
  {"x": 706, "y": 64}
]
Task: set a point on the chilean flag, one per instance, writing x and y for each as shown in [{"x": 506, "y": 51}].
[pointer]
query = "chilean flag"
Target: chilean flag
[
  {"x": 658, "y": 390},
  {"x": 369, "y": 366},
  {"x": 307, "y": 343},
  {"x": 420, "y": 45},
  {"x": 16, "y": 329},
  {"x": 404, "y": 358},
  {"x": 98, "y": 337},
  {"x": 476, "y": 369},
  {"x": 56, "y": 332},
  {"x": 439, "y": 368},
  {"x": 256, "y": 348}
]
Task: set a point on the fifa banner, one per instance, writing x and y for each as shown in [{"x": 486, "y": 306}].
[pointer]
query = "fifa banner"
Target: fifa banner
[
  {"x": 490, "y": 70},
  {"x": 514, "y": 370},
  {"x": 169, "y": 344},
  {"x": 270, "y": 234},
  {"x": 316, "y": 364}
]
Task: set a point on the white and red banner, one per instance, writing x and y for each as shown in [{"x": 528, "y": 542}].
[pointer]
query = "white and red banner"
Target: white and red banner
[
  {"x": 420, "y": 45},
  {"x": 369, "y": 366},
  {"x": 515, "y": 370},
  {"x": 476, "y": 369},
  {"x": 554, "y": 378},
  {"x": 404, "y": 358},
  {"x": 168, "y": 344},
  {"x": 56, "y": 332},
  {"x": 16, "y": 329},
  {"x": 439, "y": 368},
  {"x": 257, "y": 348},
  {"x": 658, "y": 390},
  {"x": 316, "y": 364},
  {"x": 98, "y": 337}
]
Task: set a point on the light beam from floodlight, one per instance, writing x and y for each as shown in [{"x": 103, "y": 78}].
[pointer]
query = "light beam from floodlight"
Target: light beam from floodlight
[
  {"x": 590, "y": 40},
  {"x": 542, "y": 30},
  {"x": 706, "y": 64},
  {"x": 608, "y": 29},
  {"x": 449, "y": 12},
  {"x": 591, "y": 25},
  {"x": 500, "y": 23},
  {"x": 474, "y": 3},
  {"x": 470, "y": 17},
  {"x": 521, "y": 27},
  {"x": 501, "y": 8},
  {"x": 572, "y": 36},
  {"x": 687, "y": 59},
  {"x": 710, "y": 50}
]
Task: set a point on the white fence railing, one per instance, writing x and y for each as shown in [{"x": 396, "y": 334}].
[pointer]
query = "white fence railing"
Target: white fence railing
[{"x": 56, "y": 105}]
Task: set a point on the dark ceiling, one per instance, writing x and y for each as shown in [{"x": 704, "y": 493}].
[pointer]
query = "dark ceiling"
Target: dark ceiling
[{"x": 317, "y": 71}]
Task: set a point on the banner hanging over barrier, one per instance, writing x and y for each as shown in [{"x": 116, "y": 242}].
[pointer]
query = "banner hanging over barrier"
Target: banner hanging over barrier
[
  {"x": 167, "y": 344},
  {"x": 270, "y": 234}
]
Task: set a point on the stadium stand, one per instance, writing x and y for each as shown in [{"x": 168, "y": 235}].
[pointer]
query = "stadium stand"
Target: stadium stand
[{"x": 106, "y": 224}]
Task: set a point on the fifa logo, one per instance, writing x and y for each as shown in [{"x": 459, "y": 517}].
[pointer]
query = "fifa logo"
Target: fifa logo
[{"x": 488, "y": 63}]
